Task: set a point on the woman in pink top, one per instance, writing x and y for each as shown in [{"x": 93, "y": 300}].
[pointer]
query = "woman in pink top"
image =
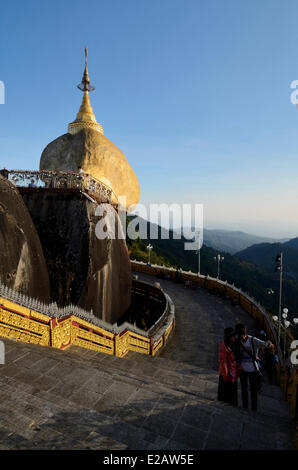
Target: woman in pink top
[{"x": 228, "y": 369}]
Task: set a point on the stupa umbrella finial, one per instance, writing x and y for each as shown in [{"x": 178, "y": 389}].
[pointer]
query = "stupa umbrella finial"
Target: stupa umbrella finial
[
  {"x": 85, "y": 118},
  {"x": 85, "y": 83}
]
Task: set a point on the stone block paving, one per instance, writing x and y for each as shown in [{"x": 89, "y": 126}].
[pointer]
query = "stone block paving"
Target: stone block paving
[{"x": 81, "y": 399}]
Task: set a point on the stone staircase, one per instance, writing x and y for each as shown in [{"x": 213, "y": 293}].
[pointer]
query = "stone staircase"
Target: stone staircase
[{"x": 81, "y": 399}]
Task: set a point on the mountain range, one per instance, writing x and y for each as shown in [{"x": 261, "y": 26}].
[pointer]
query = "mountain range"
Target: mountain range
[
  {"x": 264, "y": 254},
  {"x": 253, "y": 275},
  {"x": 231, "y": 241}
]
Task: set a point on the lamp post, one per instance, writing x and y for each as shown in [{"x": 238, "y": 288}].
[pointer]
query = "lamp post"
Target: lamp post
[
  {"x": 279, "y": 267},
  {"x": 285, "y": 324},
  {"x": 199, "y": 252},
  {"x": 219, "y": 259},
  {"x": 149, "y": 248}
]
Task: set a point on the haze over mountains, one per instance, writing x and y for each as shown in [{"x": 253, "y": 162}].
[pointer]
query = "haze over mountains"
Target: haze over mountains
[{"x": 232, "y": 241}]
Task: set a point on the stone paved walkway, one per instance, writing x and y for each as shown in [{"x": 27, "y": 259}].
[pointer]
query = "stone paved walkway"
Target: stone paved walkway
[{"x": 80, "y": 399}]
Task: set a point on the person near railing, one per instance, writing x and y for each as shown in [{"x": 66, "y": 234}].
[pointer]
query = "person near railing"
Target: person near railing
[
  {"x": 32, "y": 184},
  {"x": 228, "y": 369},
  {"x": 270, "y": 360},
  {"x": 247, "y": 348}
]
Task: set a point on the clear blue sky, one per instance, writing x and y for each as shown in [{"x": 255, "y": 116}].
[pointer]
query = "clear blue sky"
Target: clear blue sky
[{"x": 195, "y": 92}]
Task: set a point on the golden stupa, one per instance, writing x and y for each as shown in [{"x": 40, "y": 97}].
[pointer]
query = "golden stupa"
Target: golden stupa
[{"x": 86, "y": 146}]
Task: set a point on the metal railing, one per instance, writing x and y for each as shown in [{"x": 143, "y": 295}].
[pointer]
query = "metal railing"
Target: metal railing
[
  {"x": 59, "y": 180},
  {"x": 29, "y": 320},
  {"x": 214, "y": 283}
]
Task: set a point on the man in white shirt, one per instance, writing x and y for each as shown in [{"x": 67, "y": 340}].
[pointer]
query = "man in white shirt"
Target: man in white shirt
[{"x": 247, "y": 352}]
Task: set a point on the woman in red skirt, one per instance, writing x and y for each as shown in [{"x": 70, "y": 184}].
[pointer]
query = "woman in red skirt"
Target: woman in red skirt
[{"x": 228, "y": 369}]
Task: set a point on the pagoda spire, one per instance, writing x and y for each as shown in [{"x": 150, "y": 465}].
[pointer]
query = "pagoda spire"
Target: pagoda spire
[
  {"x": 85, "y": 83},
  {"x": 85, "y": 118}
]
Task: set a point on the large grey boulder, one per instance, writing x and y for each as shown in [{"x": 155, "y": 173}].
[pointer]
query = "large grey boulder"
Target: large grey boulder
[
  {"x": 84, "y": 270},
  {"x": 22, "y": 263}
]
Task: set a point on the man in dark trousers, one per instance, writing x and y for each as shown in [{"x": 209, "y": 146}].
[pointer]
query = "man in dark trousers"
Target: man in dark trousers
[{"x": 247, "y": 355}]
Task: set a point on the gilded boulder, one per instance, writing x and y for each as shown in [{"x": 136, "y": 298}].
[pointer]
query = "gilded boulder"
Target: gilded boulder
[{"x": 97, "y": 156}]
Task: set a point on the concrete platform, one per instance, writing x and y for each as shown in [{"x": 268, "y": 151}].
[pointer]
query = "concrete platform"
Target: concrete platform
[{"x": 80, "y": 399}]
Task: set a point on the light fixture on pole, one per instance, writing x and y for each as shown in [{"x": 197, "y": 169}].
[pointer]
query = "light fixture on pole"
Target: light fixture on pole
[
  {"x": 279, "y": 267},
  {"x": 285, "y": 324},
  {"x": 199, "y": 251},
  {"x": 219, "y": 259},
  {"x": 149, "y": 248},
  {"x": 285, "y": 313}
]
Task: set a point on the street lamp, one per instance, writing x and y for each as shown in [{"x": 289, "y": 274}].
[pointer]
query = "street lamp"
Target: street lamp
[
  {"x": 286, "y": 323},
  {"x": 279, "y": 267},
  {"x": 219, "y": 259},
  {"x": 199, "y": 252},
  {"x": 149, "y": 248}
]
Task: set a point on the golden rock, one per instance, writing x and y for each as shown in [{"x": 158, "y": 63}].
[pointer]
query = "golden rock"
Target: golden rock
[
  {"x": 97, "y": 156},
  {"x": 86, "y": 147}
]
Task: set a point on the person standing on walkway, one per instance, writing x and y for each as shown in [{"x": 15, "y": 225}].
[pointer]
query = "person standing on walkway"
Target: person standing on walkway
[
  {"x": 270, "y": 361},
  {"x": 246, "y": 350},
  {"x": 228, "y": 369}
]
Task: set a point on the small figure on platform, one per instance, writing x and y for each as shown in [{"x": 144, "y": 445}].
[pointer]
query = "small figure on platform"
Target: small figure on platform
[
  {"x": 32, "y": 184},
  {"x": 4, "y": 172}
]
